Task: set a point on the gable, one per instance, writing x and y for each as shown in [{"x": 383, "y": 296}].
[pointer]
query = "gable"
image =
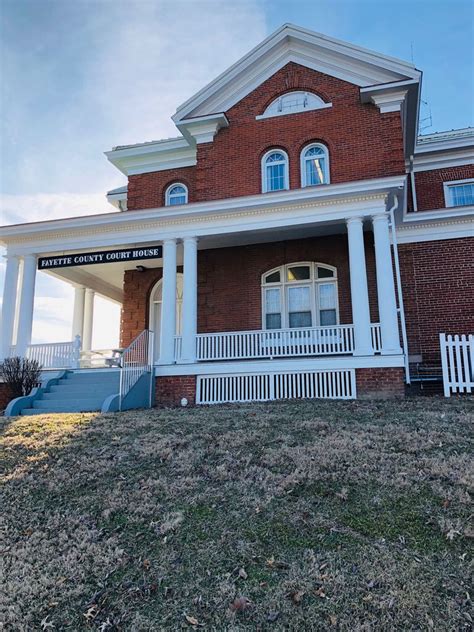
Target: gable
[{"x": 341, "y": 60}]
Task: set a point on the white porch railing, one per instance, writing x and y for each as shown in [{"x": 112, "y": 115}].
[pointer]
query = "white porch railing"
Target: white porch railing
[
  {"x": 136, "y": 361},
  {"x": 457, "y": 361},
  {"x": 278, "y": 343},
  {"x": 54, "y": 355}
]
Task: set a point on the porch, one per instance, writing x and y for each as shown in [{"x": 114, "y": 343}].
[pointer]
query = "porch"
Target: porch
[{"x": 306, "y": 289}]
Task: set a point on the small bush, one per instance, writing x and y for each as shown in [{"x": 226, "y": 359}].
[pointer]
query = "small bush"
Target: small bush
[{"x": 20, "y": 375}]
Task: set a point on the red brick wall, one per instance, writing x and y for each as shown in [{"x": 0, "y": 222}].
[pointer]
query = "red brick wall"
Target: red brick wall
[
  {"x": 380, "y": 383},
  {"x": 438, "y": 292},
  {"x": 362, "y": 142},
  {"x": 229, "y": 283},
  {"x": 429, "y": 185},
  {"x": 136, "y": 290},
  {"x": 170, "y": 390},
  {"x": 5, "y": 396}
]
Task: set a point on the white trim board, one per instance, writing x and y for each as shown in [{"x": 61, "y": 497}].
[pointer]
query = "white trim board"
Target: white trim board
[{"x": 263, "y": 366}]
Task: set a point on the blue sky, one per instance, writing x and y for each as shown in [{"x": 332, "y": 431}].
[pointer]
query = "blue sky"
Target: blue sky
[{"x": 79, "y": 77}]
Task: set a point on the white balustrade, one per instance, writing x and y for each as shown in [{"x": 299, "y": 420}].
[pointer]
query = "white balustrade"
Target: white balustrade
[
  {"x": 277, "y": 343},
  {"x": 54, "y": 355}
]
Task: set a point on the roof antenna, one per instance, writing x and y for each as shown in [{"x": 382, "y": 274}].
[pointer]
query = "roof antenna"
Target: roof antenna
[
  {"x": 427, "y": 121},
  {"x": 412, "y": 56}
]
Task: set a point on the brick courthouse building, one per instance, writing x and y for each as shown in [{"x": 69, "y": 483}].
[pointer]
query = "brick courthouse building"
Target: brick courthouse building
[{"x": 307, "y": 242}]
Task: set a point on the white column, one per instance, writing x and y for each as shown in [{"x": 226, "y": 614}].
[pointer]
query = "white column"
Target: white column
[
  {"x": 9, "y": 304},
  {"x": 385, "y": 286},
  {"x": 78, "y": 313},
  {"x": 359, "y": 290},
  {"x": 189, "y": 299},
  {"x": 27, "y": 299},
  {"x": 88, "y": 320},
  {"x": 168, "y": 305}
]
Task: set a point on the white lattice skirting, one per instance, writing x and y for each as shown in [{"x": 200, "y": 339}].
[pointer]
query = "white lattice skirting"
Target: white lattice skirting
[{"x": 262, "y": 387}]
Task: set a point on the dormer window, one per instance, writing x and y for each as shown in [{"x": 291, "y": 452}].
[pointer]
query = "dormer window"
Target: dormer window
[
  {"x": 293, "y": 102},
  {"x": 176, "y": 194}
]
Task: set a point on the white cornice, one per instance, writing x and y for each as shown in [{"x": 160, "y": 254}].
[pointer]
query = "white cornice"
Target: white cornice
[
  {"x": 443, "y": 158},
  {"x": 263, "y": 211},
  {"x": 435, "y": 230},
  {"x": 157, "y": 156},
  {"x": 202, "y": 129}
]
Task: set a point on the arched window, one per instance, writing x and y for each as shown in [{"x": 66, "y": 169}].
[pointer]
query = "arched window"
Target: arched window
[
  {"x": 176, "y": 193},
  {"x": 314, "y": 165},
  {"x": 300, "y": 295},
  {"x": 275, "y": 171},
  {"x": 293, "y": 102}
]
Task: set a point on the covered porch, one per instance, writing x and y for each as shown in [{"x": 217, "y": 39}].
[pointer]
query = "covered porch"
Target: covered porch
[{"x": 177, "y": 278}]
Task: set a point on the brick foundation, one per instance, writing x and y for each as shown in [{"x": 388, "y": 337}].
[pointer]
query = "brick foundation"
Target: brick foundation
[
  {"x": 380, "y": 383},
  {"x": 171, "y": 389}
]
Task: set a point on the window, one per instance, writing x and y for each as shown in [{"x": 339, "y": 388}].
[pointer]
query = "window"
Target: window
[
  {"x": 293, "y": 102},
  {"x": 176, "y": 194},
  {"x": 314, "y": 165},
  {"x": 460, "y": 193},
  {"x": 300, "y": 295},
  {"x": 275, "y": 171}
]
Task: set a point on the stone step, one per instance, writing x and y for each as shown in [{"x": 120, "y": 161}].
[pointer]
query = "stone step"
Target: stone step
[
  {"x": 86, "y": 387},
  {"x": 71, "y": 405},
  {"x": 64, "y": 392}
]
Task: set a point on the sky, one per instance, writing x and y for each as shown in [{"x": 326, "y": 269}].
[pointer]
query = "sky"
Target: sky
[{"x": 81, "y": 76}]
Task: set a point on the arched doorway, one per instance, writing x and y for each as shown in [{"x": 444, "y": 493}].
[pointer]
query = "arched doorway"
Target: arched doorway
[{"x": 155, "y": 311}]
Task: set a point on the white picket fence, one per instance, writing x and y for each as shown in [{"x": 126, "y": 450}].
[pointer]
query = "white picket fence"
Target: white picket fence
[
  {"x": 54, "y": 355},
  {"x": 457, "y": 361}
]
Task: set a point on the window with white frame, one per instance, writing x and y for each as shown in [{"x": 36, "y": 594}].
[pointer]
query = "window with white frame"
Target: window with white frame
[
  {"x": 459, "y": 193},
  {"x": 300, "y": 295},
  {"x": 314, "y": 165},
  {"x": 275, "y": 175},
  {"x": 293, "y": 102},
  {"x": 176, "y": 194}
]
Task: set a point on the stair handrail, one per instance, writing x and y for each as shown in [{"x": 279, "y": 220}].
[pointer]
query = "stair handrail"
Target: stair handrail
[{"x": 136, "y": 361}]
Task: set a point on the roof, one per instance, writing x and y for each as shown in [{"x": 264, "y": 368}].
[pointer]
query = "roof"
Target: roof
[
  {"x": 454, "y": 134},
  {"x": 148, "y": 142}
]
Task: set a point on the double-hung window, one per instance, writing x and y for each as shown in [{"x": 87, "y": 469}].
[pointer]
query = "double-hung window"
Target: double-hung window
[
  {"x": 459, "y": 193},
  {"x": 300, "y": 295},
  {"x": 275, "y": 175}
]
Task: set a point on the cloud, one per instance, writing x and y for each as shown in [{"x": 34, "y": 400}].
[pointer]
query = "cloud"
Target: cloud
[{"x": 69, "y": 99}]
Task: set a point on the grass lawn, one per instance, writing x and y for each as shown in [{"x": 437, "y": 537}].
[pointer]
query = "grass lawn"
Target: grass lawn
[{"x": 283, "y": 516}]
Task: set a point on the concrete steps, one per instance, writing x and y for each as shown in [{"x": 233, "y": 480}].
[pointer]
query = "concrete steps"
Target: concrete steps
[{"x": 77, "y": 391}]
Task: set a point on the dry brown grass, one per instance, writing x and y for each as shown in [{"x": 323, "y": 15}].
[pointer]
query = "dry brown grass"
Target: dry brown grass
[{"x": 286, "y": 516}]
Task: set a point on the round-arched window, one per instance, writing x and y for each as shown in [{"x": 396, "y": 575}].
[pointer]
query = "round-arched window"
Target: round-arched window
[{"x": 176, "y": 194}]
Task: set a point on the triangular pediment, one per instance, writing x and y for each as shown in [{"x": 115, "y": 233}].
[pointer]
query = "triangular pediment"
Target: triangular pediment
[{"x": 290, "y": 43}]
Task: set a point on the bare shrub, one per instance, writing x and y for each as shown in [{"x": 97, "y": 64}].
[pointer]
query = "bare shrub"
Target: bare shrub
[{"x": 20, "y": 375}]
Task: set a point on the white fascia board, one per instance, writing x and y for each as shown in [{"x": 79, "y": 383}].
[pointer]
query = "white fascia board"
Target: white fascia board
[
  {"x": 444, "y": 145},
  {"x": 442, "y": 213},
  {"x": 268, "y": 366},
  {"x": 326, "y": 195},
  {"x": 159, "y": 156},
  {"x": 443, "y": 158},
  {"x": 202, "y": 129},
  {"x": 292, "y": 43},
  {"x": 435, "y": 229}
]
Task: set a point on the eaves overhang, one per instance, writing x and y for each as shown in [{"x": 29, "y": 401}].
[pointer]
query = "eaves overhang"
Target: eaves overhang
[{"x": 182, "y": 220}]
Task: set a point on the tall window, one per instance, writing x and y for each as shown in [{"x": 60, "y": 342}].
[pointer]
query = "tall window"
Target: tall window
[
  {"x": 460, "y": 193},
  {"x": 176, "y": 194},
  {"x": 314, "y": 165},
  {"x": 275, "y": 171},
  {"x": 300, "y": 295}
]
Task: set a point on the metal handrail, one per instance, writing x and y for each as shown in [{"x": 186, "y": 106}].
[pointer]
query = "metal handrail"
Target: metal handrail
[{"x": 136, "y": 361}]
